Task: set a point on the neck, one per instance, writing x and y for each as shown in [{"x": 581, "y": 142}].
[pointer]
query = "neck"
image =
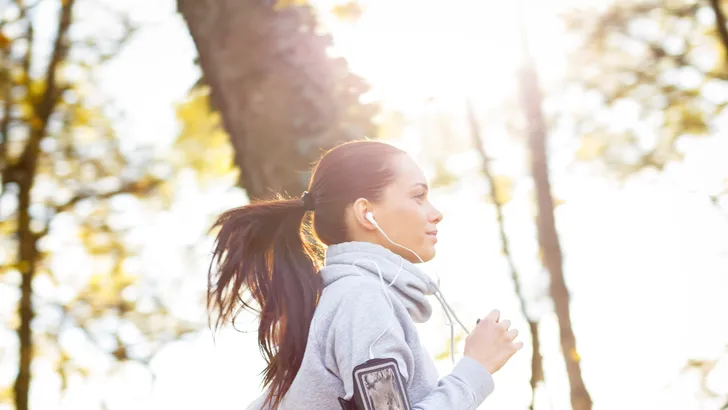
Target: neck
[{"x": 377, "y": 238}]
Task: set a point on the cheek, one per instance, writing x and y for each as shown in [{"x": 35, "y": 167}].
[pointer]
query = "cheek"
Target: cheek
[{"x": 410, "y": 218}]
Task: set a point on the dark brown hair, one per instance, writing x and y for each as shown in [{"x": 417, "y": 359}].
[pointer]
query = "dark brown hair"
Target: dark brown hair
[{"x": 268, "y": 249}]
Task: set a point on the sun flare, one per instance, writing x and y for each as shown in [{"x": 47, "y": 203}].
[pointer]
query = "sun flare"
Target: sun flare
[{"x": 411, "y": 51}]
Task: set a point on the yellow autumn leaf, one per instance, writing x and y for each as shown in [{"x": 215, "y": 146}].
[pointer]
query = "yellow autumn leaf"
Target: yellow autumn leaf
[
  {"x": 502, "y": 189},
  {"x": 349, "y": 11},
  {"x": 96, "y": 280},
  {"x": 281, "y": 4},
  {"x": 123, "y": 279},
  {"x": 18, "y": 76},
  {"x": 4, "y": 41},
  {"x": 82, "y": 115},
  {"x": 23, "y": 266},
  {"x": 8, "y": 227},
  {"x": 26, "y": 110},
  {"x": 202, "y": 145},
  {"x": 6, "y": 394},
  {"x": 36, "y": 88},
  {"x": 445, "y": 354},
  {"x": 591, "y": 147}
]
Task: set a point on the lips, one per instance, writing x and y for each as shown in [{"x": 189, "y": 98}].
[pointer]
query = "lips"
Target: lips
[{"x": 433, "y": 233}]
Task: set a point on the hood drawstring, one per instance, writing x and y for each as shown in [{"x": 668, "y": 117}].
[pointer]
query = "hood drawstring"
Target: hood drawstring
[
  {"x": 363, "y": 254},
  {"x": 447, "y": 309}
]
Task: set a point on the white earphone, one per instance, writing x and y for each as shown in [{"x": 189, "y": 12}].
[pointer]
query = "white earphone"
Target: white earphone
[{"x": 370, "y": 217}]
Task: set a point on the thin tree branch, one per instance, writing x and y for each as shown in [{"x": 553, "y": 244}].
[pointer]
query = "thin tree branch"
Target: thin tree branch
[
  {"x": 5, "y": 128},
  {"x": 30, "y": 34},
  {"x": 136, "y": 187},
  {"x": 721, "y": 25},
  {"x": 536, "y": 359},
  {"x": 715, "y": 200},
  {"x": 44, "y": 108},
  {"x": 127, "y": 188},
  {"x": 129, "y": 31}
]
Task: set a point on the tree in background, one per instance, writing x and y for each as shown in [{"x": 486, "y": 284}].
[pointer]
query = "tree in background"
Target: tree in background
[
  {"x": 69, "y": 203},
  {"x": 548, "y": 239},
  {"x": 646, "y": 75},
  {"x": 664, "y": 64},
  {"x": 499, "y": 193},
  {"x": 658, "y": 69},
  {"x": 282, "y": 98}
]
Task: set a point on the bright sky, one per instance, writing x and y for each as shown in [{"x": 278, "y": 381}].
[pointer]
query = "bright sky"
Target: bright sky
[
  {"x": 647, "y": 265},
  {"x": 462, "y": 48}
]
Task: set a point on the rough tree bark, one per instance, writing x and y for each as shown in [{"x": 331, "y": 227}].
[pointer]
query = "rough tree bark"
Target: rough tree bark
[
  {"x": 531, "y": 100},
  {"x": 281, "y": 97},
  {"x": 536, "y": 358}
]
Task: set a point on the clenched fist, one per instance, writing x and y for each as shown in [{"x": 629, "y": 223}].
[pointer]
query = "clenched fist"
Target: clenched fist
[{"x": 491, "y": 343}]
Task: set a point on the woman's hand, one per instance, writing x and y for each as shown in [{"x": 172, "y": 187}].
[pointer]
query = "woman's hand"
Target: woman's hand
[{"x": 491, "y": 343}]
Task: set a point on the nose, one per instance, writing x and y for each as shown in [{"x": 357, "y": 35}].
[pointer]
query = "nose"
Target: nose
[{"x": 435, "y": 215}]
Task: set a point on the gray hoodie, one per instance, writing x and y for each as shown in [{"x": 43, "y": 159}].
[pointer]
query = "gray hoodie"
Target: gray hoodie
[{"x": 360, "y": 316}]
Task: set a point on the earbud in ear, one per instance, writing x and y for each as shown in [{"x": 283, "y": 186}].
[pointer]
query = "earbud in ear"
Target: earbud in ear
[{"x": 370, "y": 217}]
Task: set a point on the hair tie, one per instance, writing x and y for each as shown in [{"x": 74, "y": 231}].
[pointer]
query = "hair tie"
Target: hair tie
[{"x": 308, "y": 202}]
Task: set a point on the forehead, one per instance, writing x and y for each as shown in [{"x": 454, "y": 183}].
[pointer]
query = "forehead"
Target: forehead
[{"x": 408, "y": 172}]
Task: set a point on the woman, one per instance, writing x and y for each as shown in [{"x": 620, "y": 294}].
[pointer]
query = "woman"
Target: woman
[{"x": 323, "y": 314}]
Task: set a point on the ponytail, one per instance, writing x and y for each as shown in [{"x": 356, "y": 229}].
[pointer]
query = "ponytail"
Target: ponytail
[
  {"x": 270, "y": 251},
  {"x": 268, "y": 248}
]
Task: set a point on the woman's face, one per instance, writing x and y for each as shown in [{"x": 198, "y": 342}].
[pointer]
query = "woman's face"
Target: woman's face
[{"x": 406, "y": 215}]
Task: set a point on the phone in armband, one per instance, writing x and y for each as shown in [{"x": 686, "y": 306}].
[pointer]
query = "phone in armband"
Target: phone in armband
[{"x": 378, "y": 385}]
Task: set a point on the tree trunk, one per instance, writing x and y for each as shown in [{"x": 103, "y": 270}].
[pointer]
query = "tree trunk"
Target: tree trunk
[
  {"x": 282, "y": 98},
  {"x": 536, "y": 361},
  {"x": 536, "y": 358},
  {"x": 721, "y": 25},
  {"x": 27, "y": 255},
  {"x": 548, "y": 239},
  {"x": 23, "y": 173}
]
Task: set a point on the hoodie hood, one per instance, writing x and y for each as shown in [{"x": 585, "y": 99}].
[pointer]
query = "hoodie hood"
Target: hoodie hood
[{"x": 406, "y": 281}]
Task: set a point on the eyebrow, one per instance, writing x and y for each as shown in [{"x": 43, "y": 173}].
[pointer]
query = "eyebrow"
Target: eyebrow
[{"x": 422, "y": 184}]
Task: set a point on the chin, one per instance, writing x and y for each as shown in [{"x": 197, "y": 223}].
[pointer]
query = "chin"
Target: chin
[{"x": 427, "y": 254}]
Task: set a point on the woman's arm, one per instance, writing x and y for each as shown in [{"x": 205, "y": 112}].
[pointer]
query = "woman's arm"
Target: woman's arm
[{"x": 362, "y": 317}]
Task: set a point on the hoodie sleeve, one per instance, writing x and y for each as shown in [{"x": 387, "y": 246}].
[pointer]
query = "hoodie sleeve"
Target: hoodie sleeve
[{"x": 363, "y": 316}]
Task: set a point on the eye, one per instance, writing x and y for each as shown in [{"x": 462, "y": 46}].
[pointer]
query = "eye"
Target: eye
[{"x": 421, "y": 196}]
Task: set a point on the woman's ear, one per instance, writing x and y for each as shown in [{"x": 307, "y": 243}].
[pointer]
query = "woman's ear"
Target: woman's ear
[{"x": 360, "y": 207}]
